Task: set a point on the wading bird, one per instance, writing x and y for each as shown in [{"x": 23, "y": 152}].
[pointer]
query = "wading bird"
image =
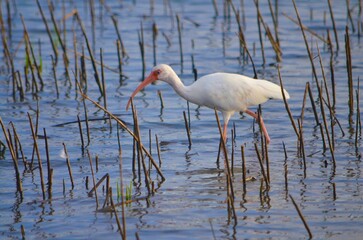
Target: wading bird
[{"x": 225, "y": 92}]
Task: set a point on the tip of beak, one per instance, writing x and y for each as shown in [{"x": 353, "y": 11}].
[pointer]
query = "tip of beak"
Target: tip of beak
[{"x": 128, "y": 104}]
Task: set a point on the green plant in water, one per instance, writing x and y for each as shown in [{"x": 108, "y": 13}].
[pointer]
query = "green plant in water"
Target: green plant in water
[
  {"x": 128, "y": 195},
  {"x": 29, "y": 64},
  {"x": 40, "y": 64},
  {"x": 118, "y": 191},
  {"x": 129, "y": 192}
]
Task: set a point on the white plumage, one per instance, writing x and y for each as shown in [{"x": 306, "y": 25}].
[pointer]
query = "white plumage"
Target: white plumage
[{"x": 226, "y": 92}]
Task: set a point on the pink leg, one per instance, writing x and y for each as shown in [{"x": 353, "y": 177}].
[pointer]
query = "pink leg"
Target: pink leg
[
  {"x": 264, "y": 130},
  {"x": 225, "y": 132}
]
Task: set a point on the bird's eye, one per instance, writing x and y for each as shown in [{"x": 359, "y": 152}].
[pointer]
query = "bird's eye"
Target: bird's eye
[{"x": 158, "y": 72}]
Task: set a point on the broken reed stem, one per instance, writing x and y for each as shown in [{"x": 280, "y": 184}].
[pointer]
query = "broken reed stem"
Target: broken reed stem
[
  {"x": 96, "y": 75},
  {"x": 68, "y": 165},
  {"x": 350, "y": 73},
  {"x": 301, "y": 217},
  {"x": 106, "y": 176},
  {"x": 49, "y": 168},
  {"x": 308, "y": 29},
  {"x": 261, "y": 166},
  {"x": 187, "y": 129},
  {"x": 180, "y": 42},
  {"x": 19, "y": 185},
  {"x": 93, "y": 178}
]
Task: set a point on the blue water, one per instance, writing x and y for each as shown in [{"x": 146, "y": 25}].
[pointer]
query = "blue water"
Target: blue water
[{"x": 191, "y": 203}]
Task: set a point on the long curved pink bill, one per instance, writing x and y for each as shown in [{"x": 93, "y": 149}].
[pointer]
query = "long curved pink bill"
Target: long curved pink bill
[{"x": 151, "y": 78}]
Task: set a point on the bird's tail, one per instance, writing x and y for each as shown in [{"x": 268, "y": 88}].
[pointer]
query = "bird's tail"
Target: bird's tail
[{"x": 273, "y": 91}]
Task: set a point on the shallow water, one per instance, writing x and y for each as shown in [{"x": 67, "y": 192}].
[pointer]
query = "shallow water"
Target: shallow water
[{"x": 191, "y": 202}]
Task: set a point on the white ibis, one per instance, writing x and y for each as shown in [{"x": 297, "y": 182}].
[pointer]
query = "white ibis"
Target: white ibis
[{"x": 225, "y": 92}]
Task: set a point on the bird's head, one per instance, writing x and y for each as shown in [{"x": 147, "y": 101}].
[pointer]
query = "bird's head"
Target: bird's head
[{"x": 160, "y": 72}]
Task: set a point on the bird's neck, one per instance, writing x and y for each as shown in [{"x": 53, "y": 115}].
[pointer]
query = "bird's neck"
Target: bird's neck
[{"x": 180, "y": 88}]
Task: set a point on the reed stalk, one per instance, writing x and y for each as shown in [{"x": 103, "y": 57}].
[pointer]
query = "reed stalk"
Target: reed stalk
[
  {"x": 333, "y": 22},
  {"x": 227, "y": 171},
  {"x": 27, "y": 39},
  {"x": 93, "y": 178},
  {"x": 49, "y": 168},
  {"x": 158, "y": 149},
  {"x": 122, "y": 233},
  {"x": 349, "y": 73},
  {"x": 261, "y": 166},
  {"x": 122, "y": 196},
  {"x": 142, "y": 49},
  {"x": 17, "y": 140},
  {"x": 40, "y": 166},
  {"x": 287, "y": 105},
  {"x": 180, "y": 42},
  {"x": 155, "y": 35},
  {"x": 80, "y": 132},
  {"x": 244, "y": 170},
  {"x": 187, "y": 129},
  {"x": 301, "y": 217},
  {"x": 55, "y": 51},
  {"x": 127, "y": 130},
  {"x": 68, "y": 165},
  {"x": 19, "y": 184},
  {"x": 96, "y": 75},
  {"x": 358, "y": 123}
]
